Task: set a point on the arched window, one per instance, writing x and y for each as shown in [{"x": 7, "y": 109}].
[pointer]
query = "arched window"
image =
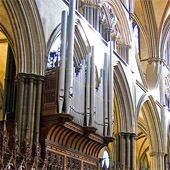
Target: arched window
[
  {"x": 136, "y": 36},
  {"x": 106, "y": 160},
  {"x": 54, "y": 54}
]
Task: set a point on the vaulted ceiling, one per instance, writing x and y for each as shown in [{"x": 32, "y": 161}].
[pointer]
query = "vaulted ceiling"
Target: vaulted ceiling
[{"x": 152, "y": 17}]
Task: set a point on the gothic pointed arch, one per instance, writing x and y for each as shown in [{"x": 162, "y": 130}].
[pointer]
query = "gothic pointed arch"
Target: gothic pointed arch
[
  {"x": 27, "y": 36},
  {"x": 122, "y": 24},
  {"x": 124, "y": 104},
  {"x": 148, "y": 118}
]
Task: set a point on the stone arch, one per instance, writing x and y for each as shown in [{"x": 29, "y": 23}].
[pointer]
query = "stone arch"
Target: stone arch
[
  {"x": 123, "y": 26},
  {"x": 147, "y": 107},
  {"x": 152, "y": 118},
  {"x": 27, "y": 34},
  {"x": 124, "y": 103},
  {"x": 164, "y": 34}
]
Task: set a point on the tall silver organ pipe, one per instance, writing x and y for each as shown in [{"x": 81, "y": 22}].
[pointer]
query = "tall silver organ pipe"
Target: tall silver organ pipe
[
  {"x": 61, "y": 82},
  {"x": 111, "y": 90},
  {"x": 92, "y": 90},
  {"x": 88, "y": 90},
  {"x": 70, "y": 51},
  {"x": 105, "y": 93}
]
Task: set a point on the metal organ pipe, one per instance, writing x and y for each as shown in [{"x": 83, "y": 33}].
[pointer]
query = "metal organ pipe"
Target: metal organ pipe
[
  {"x": 105, "y": 94},
  {"x": 111, "y": 117},
  {"x": 92, "y": 90},
  {"x": 70, "y": 50},
  {"x": 88, "y": 90},
  {"x": 61, "y": 81}
]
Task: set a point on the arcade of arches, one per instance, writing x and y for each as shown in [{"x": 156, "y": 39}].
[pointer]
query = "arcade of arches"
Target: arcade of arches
[{"x": 85, "y": 84}]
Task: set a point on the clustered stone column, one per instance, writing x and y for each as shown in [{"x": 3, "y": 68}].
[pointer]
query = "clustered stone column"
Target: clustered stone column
[
  {"x": 157, "y": 160},
  {"x": 28, "y": 106},
  {"x": 126, "y": 151},
  {"x": 108, "y": 33}
]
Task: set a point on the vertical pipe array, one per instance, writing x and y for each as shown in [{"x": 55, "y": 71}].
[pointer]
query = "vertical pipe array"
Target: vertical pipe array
[
  {"x": 105, "y": 94},
  {"x": 88, "y": 90},
  {"x": 61, "y": 81},
  {"x": 70, "y": 50},
  {"x": 110, "y": 77},
  {"x": 92, "y": 90}
]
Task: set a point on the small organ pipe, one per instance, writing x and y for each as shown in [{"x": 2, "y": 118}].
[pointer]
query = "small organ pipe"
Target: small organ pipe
[{"x": 61, "y": 81}]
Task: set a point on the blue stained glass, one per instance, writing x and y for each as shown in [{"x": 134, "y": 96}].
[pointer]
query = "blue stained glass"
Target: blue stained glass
[
  {"x": 136, "y": 35},
  {"x": 53, "y": 59}
]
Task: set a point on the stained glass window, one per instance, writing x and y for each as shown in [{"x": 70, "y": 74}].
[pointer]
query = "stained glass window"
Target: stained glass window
[
  {"x": 136, "y": 35},
  {"x": 54, "y": 54}
]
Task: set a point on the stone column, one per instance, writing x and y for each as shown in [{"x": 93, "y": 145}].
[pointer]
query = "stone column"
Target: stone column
[
  {"x": 97, "y": 18},
  {"x": 20, "y": 99},
  {"x": 162, "y": 101},
  {"x": 133, "y": 151},
  {"x": 87, "y": 8},
  {"x": 127, "y": 53},
  {"x": 84, "y": 10},
  {"x": 122, "y": 150},
  {"x": 30, "y": 103},
  {"x": 91, "y": 14},
  {"x": 100, "y": 26},
  {"x": 114, "y": 43},
  {"x": 157, "y": 160},
  {"x": 108, "y": 33},
  {"x": 117, "y": 151},
  {"x": 128, "y": 150},
  {"x": 38, "y": 104}
]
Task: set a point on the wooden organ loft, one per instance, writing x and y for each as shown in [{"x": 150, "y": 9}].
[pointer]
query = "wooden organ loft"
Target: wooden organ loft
[{"x": 72, "y": 145}]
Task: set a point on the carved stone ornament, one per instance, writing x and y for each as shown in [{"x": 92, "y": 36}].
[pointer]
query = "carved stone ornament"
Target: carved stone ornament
[
  {"x": 113, "y": 17},
  {"x": 102, "y": 14}
]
